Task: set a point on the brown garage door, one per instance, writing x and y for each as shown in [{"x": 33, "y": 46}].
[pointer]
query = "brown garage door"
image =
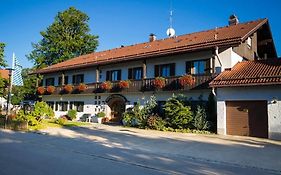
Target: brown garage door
[{"x": 247, "y": 118}]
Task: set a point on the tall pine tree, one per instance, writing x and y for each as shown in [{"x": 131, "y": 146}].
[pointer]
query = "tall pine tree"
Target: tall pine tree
[{"x": 67, "y": 37}]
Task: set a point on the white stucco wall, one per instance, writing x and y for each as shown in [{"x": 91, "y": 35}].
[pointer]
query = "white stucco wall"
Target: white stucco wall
[
  {"x": 267, "y": 93},
  {"x": 228, "y": 59}
]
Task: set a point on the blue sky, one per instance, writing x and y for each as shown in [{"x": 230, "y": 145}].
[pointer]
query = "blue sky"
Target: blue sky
[{"x": 127, "y": 22}]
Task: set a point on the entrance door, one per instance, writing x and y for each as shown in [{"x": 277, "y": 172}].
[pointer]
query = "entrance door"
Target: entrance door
[
  {"x": 117, "y": 106},
  {"x": 247, "y": 118}
]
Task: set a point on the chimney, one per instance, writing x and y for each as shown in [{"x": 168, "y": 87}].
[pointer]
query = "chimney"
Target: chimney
[
  {"x": 233, "y": 20},
  {"x": 152, "y": 37}
]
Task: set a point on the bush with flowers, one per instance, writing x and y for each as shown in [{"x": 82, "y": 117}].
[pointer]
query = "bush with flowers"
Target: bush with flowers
[
  {"x": 124, "y": 84},
  {"x": 41, "y": 90},
  {"x": 107, "y": 85},
  {"x": 186, "y": 80}
]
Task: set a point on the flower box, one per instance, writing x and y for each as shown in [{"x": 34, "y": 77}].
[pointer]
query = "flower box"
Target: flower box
[
  {"x": 107, "y": 85},
  {"x": 124, "y": 84},
  {"x": 186, "y": 80},
  {"x": 40, "y": 90},
  {"x": 81, "y": 87},
  {"x": 51, "y": 89},
  {"x": 159, "y": 82},
  {"x": 68, "y": 88}
]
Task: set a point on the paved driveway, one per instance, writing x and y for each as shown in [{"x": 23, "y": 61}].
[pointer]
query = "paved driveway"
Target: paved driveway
[{"x": 102, "y": 149}]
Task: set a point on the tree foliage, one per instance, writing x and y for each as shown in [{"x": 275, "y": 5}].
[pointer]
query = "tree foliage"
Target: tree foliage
[
  {"x": 2, "y": 60},
  {"x": 200, "y": 119},
  {"x": 177, "y": 114},
  {"x": 67, "y": 37}
]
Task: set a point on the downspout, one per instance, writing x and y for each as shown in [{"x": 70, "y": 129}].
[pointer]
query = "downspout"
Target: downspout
[
  {"x": 214, "y": 92},
  {"x": 217, "y": 55}
]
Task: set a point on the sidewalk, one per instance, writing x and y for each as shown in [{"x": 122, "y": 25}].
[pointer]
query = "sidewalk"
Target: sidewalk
[{"x": 234, "y": 150}]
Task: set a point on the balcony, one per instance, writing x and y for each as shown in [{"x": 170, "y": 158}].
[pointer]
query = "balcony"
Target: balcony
[{"x": 170, "y": 84}]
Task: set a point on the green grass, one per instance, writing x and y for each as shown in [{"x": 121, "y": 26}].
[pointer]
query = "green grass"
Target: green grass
[{"x": 51, "y": 124}]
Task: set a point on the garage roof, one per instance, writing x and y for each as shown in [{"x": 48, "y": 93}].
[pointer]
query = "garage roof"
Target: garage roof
[{"x": 250, "y": 73}]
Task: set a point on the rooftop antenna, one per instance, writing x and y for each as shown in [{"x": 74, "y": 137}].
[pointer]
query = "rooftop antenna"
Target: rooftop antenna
[{"x": 171, "y": 32}]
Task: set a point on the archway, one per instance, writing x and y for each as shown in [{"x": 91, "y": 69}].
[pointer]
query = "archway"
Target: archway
[{"x": 117, "y": 104}]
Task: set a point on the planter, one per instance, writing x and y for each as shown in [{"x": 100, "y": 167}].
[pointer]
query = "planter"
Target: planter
[
  {"x": 81, "y": 87},
  {"x": 159, "y": 82},
  {"x": 67, "y": 88},
  {"x": 186, "y": 80},
  {"x": 107, "y": 85},
  {"x": 40, "y": 90},
  {"x": 51, "y": 89},
  {"x": 97, "y": 119},
  {"x": 124, "y": 84}
]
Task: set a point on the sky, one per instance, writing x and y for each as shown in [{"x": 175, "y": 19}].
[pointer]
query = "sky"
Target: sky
[{"x": 127, "y": 22}]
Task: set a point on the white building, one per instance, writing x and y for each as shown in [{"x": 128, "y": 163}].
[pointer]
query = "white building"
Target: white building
[{"x": 202, "y": 55}]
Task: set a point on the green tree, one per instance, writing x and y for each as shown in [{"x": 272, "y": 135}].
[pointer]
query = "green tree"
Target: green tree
[
  {"x": 200, "y": 119},
  {"x": 2, "y": 60},
  {"x": 177, "y": 115},
  {"x": 67, "y": 37}
]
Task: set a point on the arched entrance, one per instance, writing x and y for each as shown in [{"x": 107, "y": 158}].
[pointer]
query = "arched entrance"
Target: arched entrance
[{"x": 117, "y": 103}]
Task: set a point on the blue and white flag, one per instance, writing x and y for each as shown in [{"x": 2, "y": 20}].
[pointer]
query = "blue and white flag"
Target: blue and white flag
[{"x": 16, "y": 73}]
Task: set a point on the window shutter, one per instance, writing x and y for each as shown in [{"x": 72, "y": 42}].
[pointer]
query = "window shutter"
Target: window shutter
[
  {"x": 156, "y": 71},
  {"x": 119, "y": 75},
  {"x": 108, "y": 75},
  {"x": 172, "y": 67},
  {"x": 208, "y": 66},
  {"x": 66, "y": 80},
  {"x": 130, "y": 73},
  {"x": 188, "y": 67},
  {"x": 74, "y": 79}
]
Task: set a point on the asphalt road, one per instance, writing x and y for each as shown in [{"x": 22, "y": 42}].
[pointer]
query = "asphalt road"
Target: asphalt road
[{"x": 39, "y": 154}]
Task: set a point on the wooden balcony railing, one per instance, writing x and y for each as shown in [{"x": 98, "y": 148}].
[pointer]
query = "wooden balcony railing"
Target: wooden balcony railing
[{"x": 171, "y": 84}]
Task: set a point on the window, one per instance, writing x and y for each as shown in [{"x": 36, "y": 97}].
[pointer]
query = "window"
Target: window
[
  {"x": 50, "y": 81},
  {"x": 135, "y": 73},
  {"x": 65, "y": 80},
  {"x": 113, "y": 75},
  {"x": 51, "y": 104},
  {"x": 78, "y": 106},
  {"x": 77, "y": 79},
  {"x": 198, "y": 67},
  {"x": 164, "y": 70},
  {"x": 62, "y": 105}
]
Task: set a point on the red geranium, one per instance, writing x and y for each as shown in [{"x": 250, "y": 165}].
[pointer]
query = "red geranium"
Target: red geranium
[
  {"x": 124, "y": 84},
  {"x": 107, "y": 85},
  {"x": 159, "y": 82},
  {"x": 51, "y": 89},
  {"x": 186, "y": 80},
  {"x": 82, "y": 87},
  {"x": 41, "y": 90},
  {"x": 68, "y": 88}
]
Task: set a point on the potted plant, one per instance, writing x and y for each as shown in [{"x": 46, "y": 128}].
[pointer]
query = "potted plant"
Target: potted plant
[
  {"x": 99, "y": 116},
  {"x": 41, "y": 90},
  {"x": 124, "y": 84},
  {"x": 81, "y": 87},
  {"x": 67, "y": 88},
  {"x": 107, "y": 85},
  {"x": 51, "y": 89},
  {"x": 186, "y": 80},
  {"x": 159, "y": 82}
]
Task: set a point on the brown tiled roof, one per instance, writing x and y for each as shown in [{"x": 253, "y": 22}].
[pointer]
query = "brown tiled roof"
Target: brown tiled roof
[
  {"x": 224, "y": 36},
  {"x": 4, "y": 73},
  {"x": 250, "y": 73}
]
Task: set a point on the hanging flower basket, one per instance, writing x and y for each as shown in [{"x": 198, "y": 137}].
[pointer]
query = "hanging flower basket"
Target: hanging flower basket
[
  {"x": 107, "y": 85},
  {"x": 159, "y": 82},
  {"x": 186, "y": 80},
  {"x": 124, "y": 84},
  {"x": 68, "y": 88},
  {"x": 51, "y": 89},
  {"x": 81, "y": 87},
  {"x": 40, "y": 90}
]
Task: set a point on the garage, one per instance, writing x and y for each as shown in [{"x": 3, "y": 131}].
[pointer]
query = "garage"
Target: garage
[{"x": 247, "y": 118}]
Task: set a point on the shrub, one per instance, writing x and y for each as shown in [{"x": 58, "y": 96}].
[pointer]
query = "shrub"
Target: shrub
[
  {"x": 61, "y": 121},
  {"x": 177, "y": 114},
  {"x": 159, "y": 82},
  {"x": 186, "y": 80},
  {"x": 107, "y": 85},
  {"x": 212, "y": 111},
  {"x": 68, "y": 88},
  {"x": 156, "y": 122},
  {"x": 100, "y": 114},
  {"x": 42, "y": 110},
  {"x": 40, "y": 90},
  {"x": 200, "y": 119},
  {"x": 51, "y": 89},
  {"x": 133, "y": 117},
  {"x": 81, "y": 87},
  {"x": 124, "y": 84},
  {"x": 72, "y": 114}
]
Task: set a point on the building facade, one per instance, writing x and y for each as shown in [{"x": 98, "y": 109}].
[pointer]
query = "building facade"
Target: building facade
[{"x": 202, "y": 55}]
